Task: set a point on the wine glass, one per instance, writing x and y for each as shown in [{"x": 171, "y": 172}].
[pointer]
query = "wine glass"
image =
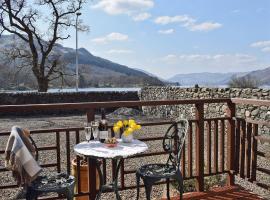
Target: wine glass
[
  {"x": 87, "y": 131},
  {"x": 94, "y": 127}
]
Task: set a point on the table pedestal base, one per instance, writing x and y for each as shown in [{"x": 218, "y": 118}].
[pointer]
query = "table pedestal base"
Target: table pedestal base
[{"x": 113, "y": 186}]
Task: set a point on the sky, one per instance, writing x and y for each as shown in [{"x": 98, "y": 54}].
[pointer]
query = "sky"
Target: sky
[{"x": 168, "y": 37}]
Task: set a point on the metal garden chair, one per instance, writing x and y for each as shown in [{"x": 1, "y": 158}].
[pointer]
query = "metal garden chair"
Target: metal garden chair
[
  {"x": 173, "y": 144},
  {"x": 60, "y": 183}
]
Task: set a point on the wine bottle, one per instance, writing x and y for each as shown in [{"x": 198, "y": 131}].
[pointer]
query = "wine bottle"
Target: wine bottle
[{"x": 103, "y": 127}]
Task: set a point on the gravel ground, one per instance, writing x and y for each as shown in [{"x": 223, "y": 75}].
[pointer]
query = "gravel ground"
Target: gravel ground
[{"x": 45, "y": 122}]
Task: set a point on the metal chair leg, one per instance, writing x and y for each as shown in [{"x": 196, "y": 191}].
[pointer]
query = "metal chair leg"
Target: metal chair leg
[
  {"x": 69, "y": 194},
  {"x": 138, "y": 185},
  {"x": 148, "y": 188},
  {"x": 168, "y": 188},
  {"x": 179, "y": 180},
  {"x": 30, "y": 195}
]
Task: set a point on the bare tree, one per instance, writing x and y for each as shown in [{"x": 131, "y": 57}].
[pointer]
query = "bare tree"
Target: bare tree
[
  {"x": 24, "y": 18},
  {"x": 244, "y": 82}
]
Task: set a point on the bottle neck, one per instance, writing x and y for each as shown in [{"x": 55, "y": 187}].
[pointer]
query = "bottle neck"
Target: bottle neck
[{"x": 103, "y": 114}]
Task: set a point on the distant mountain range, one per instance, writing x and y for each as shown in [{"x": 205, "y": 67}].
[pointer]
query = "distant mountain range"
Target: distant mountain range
[
  {"x": 205, "y": 78},
  {"x": 94, "y": 71},
  {"x": 261, "y": 75},
  {"x": 217, "y": 79},
  {"x": 99, "y": 72}
]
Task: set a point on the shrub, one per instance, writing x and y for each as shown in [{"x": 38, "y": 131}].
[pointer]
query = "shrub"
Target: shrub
[{"x": 244, "y": 82}]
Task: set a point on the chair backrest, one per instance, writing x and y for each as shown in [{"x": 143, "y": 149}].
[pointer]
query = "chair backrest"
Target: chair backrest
[
  {"x": 35, "y": 146},
  {"x": 173, "y": 141},
  {"x": 21, "y": 156}
]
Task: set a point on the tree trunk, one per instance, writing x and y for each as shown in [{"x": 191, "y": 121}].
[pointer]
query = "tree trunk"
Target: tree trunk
[{"x": 43, "y": 84}]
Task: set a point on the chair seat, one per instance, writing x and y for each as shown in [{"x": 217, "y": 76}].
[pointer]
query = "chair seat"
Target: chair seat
[
  {"x": 157, "y": 170},
  {"x": 53, "y": 183}
]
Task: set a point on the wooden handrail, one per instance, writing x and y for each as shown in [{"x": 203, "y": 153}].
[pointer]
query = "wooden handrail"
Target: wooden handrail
[
  {"x": 111, "y": 104},
  {"x": 255, "y": 102}
]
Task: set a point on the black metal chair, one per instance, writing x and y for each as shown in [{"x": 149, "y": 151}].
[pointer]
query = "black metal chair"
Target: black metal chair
[
  {"x": 60, "y": 183},
  {"x": 173, "y": 144}
]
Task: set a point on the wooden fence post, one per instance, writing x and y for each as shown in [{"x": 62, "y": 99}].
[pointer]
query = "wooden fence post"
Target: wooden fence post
[
  {"x": 199, "y": 113},
  {"x": 254, "y": 152},
  {"x": 91, "y": 164},
  {"x": 231, "y": 143}
]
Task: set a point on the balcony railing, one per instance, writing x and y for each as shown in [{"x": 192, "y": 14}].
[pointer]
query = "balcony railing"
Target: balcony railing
[{"x": 222, "y": 145}]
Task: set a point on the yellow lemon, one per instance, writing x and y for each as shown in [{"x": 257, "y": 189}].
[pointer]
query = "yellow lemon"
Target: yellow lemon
[
  {"x": 126, "y": 133},
  {"x": 116, "y": 129},
  {"x": 125, "y": 122},
  {"x": 130, "y": 130},
  {"x": 138, "y": 127},
  {"x": 133, "y": 126},
  {"x": 131, "y": 121},
  {"x": 120, "y": 124}
]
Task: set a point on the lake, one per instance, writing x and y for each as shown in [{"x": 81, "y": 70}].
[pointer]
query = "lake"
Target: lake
[
  {"x": 96, "y": 90},
  {"x": 55, "y": 90}
]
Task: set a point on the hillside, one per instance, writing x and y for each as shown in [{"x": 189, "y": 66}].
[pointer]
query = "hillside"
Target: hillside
[
  {"x": 205, "y": 78},
  {"x": 94, "y": 71},
  {"x": 262, "y": 75}
]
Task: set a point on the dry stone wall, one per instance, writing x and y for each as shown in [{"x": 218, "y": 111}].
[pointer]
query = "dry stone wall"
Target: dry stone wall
[
  {"x": 211, "y": 110},
  {"x": 19, "y": 98}
]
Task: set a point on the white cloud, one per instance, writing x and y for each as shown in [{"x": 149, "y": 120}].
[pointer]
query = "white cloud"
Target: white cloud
[
  {"x": 119, "y": 51},
  {"x": 171, "y": 58},
  {"x": 217, "y": 60},
  {"x": 205, "y": 26},
  {"x": 188, "y": 22},
  {"x": 141, "y": 16},
  {"x": 163, "y": 20},
  {"x": 116, "y": 7},
  {"x": 236, "y": 11},
  {"x": 266, "y": 49},
  {"x": 264, "y": 46},
  {"x": 261, "y": 43},
  {"x": 114, "y": 36},
  {"x": 166, "y": 32}
]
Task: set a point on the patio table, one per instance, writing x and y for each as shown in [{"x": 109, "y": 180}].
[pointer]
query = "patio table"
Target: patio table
[{"x": 97, "y": 150}]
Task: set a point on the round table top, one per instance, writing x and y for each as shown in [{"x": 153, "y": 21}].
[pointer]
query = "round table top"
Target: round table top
[{"x": 100, "y": 150}]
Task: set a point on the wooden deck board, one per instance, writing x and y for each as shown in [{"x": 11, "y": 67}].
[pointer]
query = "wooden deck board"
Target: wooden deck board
[
  {"x": 221, "y": 193},
  {"x": 224, "y": 193}
]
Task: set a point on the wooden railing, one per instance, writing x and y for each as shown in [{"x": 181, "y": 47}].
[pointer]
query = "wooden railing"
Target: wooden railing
[
  {"x": 224, "y": 135},
  {"x": 246, "y": 144}
]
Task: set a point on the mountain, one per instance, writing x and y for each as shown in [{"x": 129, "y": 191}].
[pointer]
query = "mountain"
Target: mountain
[
  {"x": 205, "y": 78},
  {"x": 94, "y": 71},
  {"x": 262, "y": 75}
]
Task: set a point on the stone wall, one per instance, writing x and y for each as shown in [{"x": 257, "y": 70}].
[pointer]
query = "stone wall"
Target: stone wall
[
  {"x": 64, "y": 97},
  {"x": 154, "y": 93},
  {"x": 211, "y": 110}
]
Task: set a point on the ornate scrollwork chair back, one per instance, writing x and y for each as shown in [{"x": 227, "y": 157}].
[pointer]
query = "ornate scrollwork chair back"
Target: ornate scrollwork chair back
[{"x": 173, "y": 143}]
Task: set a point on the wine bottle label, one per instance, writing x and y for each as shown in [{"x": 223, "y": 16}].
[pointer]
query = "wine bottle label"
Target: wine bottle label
[{"x": 103, "y": 134}]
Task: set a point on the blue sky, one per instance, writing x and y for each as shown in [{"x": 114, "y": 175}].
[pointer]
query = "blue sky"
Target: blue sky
[{"x": 168, "y": 37}]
